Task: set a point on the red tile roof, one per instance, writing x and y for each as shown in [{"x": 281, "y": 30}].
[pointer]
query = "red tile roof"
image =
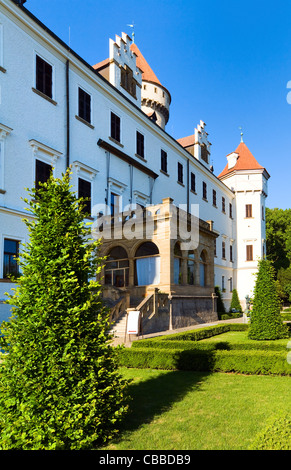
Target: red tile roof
[
  {"x": 147, "y": 74},
  {"x": 187, "y": 141},
  {"x": 101, "y": 64},
  {"x": 245, "y": 161}
]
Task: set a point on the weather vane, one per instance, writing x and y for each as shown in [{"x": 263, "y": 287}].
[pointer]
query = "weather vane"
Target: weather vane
[
  {"x": 133, "y": 33},
  {"x": 241, "y": 134}
]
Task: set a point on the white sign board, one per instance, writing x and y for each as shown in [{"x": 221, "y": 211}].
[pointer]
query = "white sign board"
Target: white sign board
[{"x": 133, "y": 322}]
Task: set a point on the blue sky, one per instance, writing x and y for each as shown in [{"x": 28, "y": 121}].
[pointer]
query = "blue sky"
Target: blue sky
[{"x": 225, "y": 62}]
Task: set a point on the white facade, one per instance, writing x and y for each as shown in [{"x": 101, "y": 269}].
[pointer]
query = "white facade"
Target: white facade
[{"x": 34, "y": 127}]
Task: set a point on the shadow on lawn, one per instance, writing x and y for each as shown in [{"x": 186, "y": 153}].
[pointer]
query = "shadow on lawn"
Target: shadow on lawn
[{"x": 155, "y": 396}]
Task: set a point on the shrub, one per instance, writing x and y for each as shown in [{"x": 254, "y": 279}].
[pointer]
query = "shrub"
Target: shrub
[
  {"x": 210, "y": 346},
  {"x": 59, "y": 381},
  {"x": 203, "y": 333},
  {"x": 244, "y": 362},
  {"x": 235, "y": 303},
  {"x": 266, "y": 322},
  {"x": 275, "y": 436}
]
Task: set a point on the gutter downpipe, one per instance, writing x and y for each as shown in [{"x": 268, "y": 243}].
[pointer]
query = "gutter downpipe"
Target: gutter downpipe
[{"x": 68, "y": 111}]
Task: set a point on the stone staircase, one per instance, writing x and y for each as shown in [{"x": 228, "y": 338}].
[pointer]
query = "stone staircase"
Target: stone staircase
[{"x": 118, "y": 330}]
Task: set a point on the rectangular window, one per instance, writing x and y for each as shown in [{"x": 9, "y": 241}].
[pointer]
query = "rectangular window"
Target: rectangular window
[
  {"x": 127, "y": 81},
  {"x": 223, "y": 250},
  {"x": 204, "y": 190},
  {"x": 140, "y": 144},
  {"x": 263, "y": 213},
  {"x": 44, "y": 77},
  {"x": 164, "y": 161},
  {"x": 222, "y": 284},
  {"x": 214, "y": 197},
  {"x": 115, "y": 127},
  {"x": 249, "y": 252},
  {"x": 223, "y": 204},
  {"x": 84, "y": 105},
  {"x": 231, "y": 253},
  {"x": 230, "y": 210},
  {"x": 42, "y": 172},
  {"x": 180, "y": 172},
  {"x": 115, "y": 200},
  {"x": 249, "y": 211},
  {"x": 193, "y": 182},
  {"x": 230, "y": 285},
  {"x": 84, "y": 191},
  {"x": 11, "y": 252}
]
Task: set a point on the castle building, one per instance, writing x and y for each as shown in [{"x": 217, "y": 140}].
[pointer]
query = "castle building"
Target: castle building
[{"x": 107, "y": 123}]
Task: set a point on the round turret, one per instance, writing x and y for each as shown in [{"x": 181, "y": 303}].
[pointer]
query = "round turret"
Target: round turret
[{"x": 155, "y": 98}]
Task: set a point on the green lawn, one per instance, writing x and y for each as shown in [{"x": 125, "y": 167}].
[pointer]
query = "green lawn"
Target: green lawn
[
  {"x": 242, "y": 337},
  {"x": 199, "y": 411},
  {"x": 179, "y": 410}
]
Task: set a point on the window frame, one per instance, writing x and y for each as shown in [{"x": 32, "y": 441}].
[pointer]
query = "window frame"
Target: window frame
[
  {"x": 249, "y": 252},
  {"x": 193, "y": 182},
  {"x": 164, "y": 161},
  {"x": 114, "y": 127},
  {"x": 223, "y": 204},
  {"x": 140, "y": 144},
  {"x": 180, "y": 170},
  {"x": 230, "y": 210},
  {"x": 87, "y": 204},
  {"x": 42, "y": 162},
  {"x": 214, "y": 198},
  {"x": 249, "y": 211},
  {"x": 204, "y": 190},
  {"x": 52, "y": 85},
  {"x": 85, "y": 116},
  {"x": 14, "y": 239}
]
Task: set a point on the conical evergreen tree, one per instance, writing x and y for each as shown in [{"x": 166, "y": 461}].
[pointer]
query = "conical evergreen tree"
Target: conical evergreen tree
[
  {"x": 266, "y": 322},
  {"x": 235, "y": 303},
  {"x": 220, "y": 304},
  {"x": 59, "y": 381}
]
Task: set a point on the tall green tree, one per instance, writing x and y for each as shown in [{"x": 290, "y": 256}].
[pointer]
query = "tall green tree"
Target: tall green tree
[
  {"x": 278, "y": 236},
  {"x": 266, "y": 322},
  {"x": 59, "y": 381}
]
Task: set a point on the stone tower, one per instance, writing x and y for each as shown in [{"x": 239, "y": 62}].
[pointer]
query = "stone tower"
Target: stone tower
[
  {"x": 155, "y": 98},
  {"x": 249, "y": 180}
]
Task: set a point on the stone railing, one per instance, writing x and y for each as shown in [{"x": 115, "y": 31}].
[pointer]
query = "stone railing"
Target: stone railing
[{"x": 118, "y": 310}]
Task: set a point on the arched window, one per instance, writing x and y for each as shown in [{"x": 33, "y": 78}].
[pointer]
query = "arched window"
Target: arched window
[
  {"x": 147, "y": 265},
  {"x": 202, "y": 269},
  {"x": 177, "y": 264},
  {"x": 117, "y": 268},
  {"x": 191, "y": 268}
]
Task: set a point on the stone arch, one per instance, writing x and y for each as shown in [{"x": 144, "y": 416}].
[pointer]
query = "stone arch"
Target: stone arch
[
  {"x": 116, "y": 271},
  {"x": 147, "y": 264}
]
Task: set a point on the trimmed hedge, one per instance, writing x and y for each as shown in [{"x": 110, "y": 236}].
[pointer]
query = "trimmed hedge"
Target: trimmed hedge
[
  {"x": 185, "y": 351},
  {"x": 215, "y": 345},
  {"x": 245, "y": 362},
  {"x": 203, "y": 333},
  {"x": 276, "y": 436}
]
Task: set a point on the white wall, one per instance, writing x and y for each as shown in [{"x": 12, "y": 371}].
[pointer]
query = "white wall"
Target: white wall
[{"x": 31, "y": 117}]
